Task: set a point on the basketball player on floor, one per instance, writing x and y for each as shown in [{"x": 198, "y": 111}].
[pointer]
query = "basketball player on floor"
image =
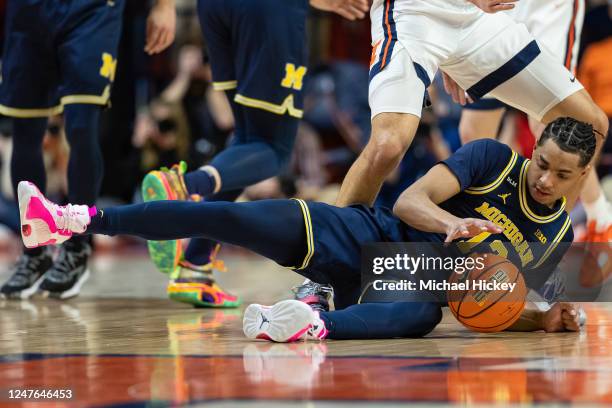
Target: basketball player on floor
[
  {"x": 257, "y": 53},
  {"x": 556, "y": 25},
  {"x": 485, "y": 52},
  {"x": 60, "y": 56},
  {"x": 485, "y": 191}
]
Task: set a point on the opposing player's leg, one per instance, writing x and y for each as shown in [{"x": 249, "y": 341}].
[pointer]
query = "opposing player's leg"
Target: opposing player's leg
[
  {"x": 396, "y": 97},
  {"x": 392, "y": 134}
]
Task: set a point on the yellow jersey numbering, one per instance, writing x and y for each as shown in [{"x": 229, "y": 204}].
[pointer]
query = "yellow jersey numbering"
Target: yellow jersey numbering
[
  {"x": 109, "y": 66},
  {"x": 293, "y": 77}
]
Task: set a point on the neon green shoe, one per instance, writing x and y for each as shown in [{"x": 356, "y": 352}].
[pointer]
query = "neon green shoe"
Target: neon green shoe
[
  {"x": 196, "y": 285},
  {"x": 166, "y": 184}
]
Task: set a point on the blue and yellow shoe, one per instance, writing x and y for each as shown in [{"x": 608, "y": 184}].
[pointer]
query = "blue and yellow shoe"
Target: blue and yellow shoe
[
  {"x": 196, "y": 285},
  {"x": 166, "y": 184}
]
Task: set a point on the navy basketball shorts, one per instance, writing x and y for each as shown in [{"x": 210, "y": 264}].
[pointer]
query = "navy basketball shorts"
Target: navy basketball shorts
[{"x": 58, "y": 53}]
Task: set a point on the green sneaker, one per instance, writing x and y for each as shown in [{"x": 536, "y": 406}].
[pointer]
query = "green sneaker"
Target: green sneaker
[
  {"x": 195, "y": 285},
  {"x": 166, "y": 184}
]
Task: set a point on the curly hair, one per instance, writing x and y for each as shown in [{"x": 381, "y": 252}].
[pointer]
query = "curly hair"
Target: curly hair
[{"x": 572, "y": 136}]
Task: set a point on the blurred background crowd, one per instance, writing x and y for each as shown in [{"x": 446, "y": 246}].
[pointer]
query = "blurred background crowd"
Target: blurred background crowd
[{"x": 163, "y": 110}]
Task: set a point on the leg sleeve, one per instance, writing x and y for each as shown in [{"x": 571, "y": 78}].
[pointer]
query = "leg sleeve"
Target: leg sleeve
[
  {"x": 272, "y": 228},
  {"x": 383, "y": 320}
]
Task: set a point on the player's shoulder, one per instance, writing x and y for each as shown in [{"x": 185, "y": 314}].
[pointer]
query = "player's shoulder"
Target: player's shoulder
[{"x": 490, "y": 154}]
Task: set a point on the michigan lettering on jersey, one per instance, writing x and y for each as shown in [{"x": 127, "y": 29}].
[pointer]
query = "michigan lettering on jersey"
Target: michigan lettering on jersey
[
  {"x": 511, "y": 231},
  {"x": 109, "y": 66},
  {"x": 294, "y": 77}
]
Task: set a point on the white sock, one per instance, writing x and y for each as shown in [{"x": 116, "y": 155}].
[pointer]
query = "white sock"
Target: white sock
[{"x": 600, "y": 211}]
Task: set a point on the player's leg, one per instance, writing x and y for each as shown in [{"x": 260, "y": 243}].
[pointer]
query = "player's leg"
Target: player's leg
[
  {"x": 405, "y": 58},
  {"x": 27, "y": 94},
  {"x": 292, "y": 320},
  {"x": 261, "y": 149},
  {"x": 85, "y": 171},
  {"x": 392, "y": 134},
  {"x": 275, "y": 229},
  {"x": 382, "y": 320},
  {"x": 264, "y": 86},
  {"x": 86, "y": 51},
  {"x": 480, "y": 120},
  {"x": 396, "y": 99}
]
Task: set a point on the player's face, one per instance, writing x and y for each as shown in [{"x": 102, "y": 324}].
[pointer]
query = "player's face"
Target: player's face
[{"x": 553, "y": 173}]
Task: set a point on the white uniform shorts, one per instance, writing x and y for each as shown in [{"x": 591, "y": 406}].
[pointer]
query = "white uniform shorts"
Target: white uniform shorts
[{"x": 484, "y": 53}]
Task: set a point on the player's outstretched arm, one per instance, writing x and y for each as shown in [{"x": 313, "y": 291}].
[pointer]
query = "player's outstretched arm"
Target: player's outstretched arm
[
  {"x": 560, "y": 317},
  {"x": 493, "y": 6},
  {"x": 349, "y": 9},
  {"x": 161, "y": 26},
  {"x": 418, "y": 207}
]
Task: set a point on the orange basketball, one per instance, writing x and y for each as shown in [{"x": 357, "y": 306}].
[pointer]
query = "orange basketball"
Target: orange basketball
[{"x": 488, "y": 302}]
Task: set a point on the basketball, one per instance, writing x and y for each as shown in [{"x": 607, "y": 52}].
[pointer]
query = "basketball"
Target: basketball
[{"x": 487, "y": 305}]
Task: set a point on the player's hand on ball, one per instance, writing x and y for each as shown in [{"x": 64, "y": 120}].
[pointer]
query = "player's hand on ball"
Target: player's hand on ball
[
  {"x": 561, "y": 317},
  {"x": 349, "y": 9},
  {"x": 161, "y": 27},
  {"x": 470, "y": 227},
  {"x": 455, "y": 91},
  {"x": 493, "y": 6}
]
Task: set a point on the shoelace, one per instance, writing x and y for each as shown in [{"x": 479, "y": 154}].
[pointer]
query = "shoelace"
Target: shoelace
[
  {"x": 311, "y": 288},
  {"x": 66, "y": 220},
  {"x": 213, "y": 263}
]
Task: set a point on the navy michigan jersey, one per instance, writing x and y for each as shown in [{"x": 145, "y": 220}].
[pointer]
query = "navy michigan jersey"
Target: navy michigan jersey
[{"x": 493, "y": 181}]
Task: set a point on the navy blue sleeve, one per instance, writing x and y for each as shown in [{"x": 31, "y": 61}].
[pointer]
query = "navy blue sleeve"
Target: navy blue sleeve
[
  {"x": 537, "y": 277},
  {"x": 479, "y": 162}
]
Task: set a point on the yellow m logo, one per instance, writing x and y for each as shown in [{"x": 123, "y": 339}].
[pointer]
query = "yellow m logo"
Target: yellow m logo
[
  {"x": 293, "y": 77},
  {"x": 109, "y": 66}
]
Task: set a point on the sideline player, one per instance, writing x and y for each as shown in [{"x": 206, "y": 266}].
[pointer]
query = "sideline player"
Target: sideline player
[
  {"x": 485, "y": 192},
  {"x": 557, "y": 26},
  {"x": 257, "y": 53},
  {"x": 60, "y": 56}
]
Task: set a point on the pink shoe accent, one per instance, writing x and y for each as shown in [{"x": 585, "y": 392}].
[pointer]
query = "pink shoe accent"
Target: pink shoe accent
[
  {"x": 263, "y": 336},
  {"x": 299, "y": 334},
  {"x": 310, "y": 299},
  {"x": 36, "y": 209},
  {"x": 92, "y": 211}
]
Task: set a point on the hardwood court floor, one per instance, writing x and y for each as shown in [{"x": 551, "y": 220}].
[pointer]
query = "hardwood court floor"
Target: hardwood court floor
[{"x": 123, "y": 344}]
